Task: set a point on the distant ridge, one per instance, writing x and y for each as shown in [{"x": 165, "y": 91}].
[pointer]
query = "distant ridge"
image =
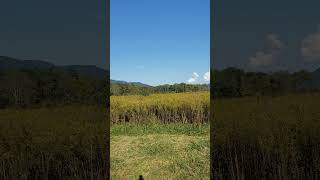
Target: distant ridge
[
  {"x": 133, "y": 83},
  {"x": 13, "y": 63},
  {"x": 94, "y": 71},
  {"x": 90, "y": 70}
]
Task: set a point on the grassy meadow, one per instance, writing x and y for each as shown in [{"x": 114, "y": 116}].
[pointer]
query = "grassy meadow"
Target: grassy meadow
[
  {"x": 267, "y": 137},
  {"x": 53, "y": 143},
  {"x": 157, "y": 151},
  {"x": 165, "y": 136},
  {"x": 190, "y": 107},
  {"x": 160, "y": 136}
]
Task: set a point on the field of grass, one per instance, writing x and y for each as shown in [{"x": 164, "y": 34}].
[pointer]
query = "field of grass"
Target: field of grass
[
  {"x": 158, "y": 151},
  {"x": 253, "y": 137},
  {"x": 69, "y": 142},
  {"x": 190, "y": 107},
  {"x": 161, "y": 136},
  {"x": 267, "y": 137},
  {"x": 56, "y": 143}
]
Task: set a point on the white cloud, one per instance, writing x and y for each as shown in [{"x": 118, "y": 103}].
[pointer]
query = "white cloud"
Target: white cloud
[
  {"x": 194, "y": 77},
  {"x": 206, "y": 76},
  {"x": 310, "y": 49},
  {"x": 191, "y": 80},
  {"x": 267, "y": 56}
]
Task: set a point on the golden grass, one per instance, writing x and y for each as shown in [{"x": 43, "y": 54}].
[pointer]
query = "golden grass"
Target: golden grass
[
  {"x": 53, "y": 143},
  {"x": 269, "y": 137},
  {"x": 165, "y": 108}
]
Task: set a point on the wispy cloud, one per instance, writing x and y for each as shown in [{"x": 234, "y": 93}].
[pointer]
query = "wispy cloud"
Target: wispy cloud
[
  {"x": 196, "y": 75},
  {"x": 206, "y": 76},
  {"x": 196, "y": 80},
  {"x": 191, "y": 80},
  {"x": 268, "y": 55}
]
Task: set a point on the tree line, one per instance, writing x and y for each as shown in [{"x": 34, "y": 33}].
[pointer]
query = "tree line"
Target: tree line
[
  {"x": 54, "y": 86},
  {"x": 233, "y": 82},
  {"x": 119, "y": 89}
]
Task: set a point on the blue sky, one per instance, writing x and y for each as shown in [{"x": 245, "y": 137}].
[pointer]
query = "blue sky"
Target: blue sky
[
  {"x": 164, "y": 41},
  {"x": 157, "y": 42}
]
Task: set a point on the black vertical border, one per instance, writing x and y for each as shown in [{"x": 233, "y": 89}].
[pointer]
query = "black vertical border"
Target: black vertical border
[
  {"x": 211, "y": 89},
  {"x": 107, "y": 135}
]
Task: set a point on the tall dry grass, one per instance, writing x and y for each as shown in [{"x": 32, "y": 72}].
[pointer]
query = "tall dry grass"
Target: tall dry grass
[
  {"x": 267, "y": 137},
  {"x": 164, "y": 108},
  {"x": 53, "y": 143}
]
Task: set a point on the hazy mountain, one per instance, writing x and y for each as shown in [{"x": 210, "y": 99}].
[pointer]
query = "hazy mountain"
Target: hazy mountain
[
  {"x": 91, "y": 70},
  {"x": 12, "y": 63},
  {"x": 125, "y": 82}
]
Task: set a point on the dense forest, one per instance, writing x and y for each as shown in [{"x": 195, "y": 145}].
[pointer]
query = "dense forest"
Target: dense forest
[
  {"x": 134, "y": 89},
  {"x": 233, "y": 82},
  {"x": 54, "y": 86}
]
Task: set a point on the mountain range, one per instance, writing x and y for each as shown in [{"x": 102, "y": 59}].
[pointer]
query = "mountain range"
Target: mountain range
[
  {"x": 90, "y": 70},
  {"x": 12, "y": 63},
  {"x": 133, "y": 83}
]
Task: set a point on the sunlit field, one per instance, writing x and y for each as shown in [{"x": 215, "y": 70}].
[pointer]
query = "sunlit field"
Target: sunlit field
[
  {"x": 156, "y": 151},
  {"x": 190, "y": 107},
  {"x": 160, "y": 136}
]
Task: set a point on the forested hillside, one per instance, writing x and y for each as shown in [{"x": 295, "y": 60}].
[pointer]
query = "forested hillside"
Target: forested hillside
[
  {"x": 233, "y": 82},
  {"x": 34, "y": 82},
  {"x": 54, "y": 86},
  {"x": 136, "y": 89}
]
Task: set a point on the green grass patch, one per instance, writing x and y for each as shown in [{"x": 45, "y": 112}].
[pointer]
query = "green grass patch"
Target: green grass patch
[
  {"x": 160, "y": 156},
  {"x": 131, "y": 129}
]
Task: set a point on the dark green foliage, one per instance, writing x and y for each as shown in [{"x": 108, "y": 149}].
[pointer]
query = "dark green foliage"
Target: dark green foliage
[
  {"x": 118, "y": 89},
  {"x": 53, "y": 86},
  {"x": 232, "y": 82},
  {"x": 134, "y": 129}
]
